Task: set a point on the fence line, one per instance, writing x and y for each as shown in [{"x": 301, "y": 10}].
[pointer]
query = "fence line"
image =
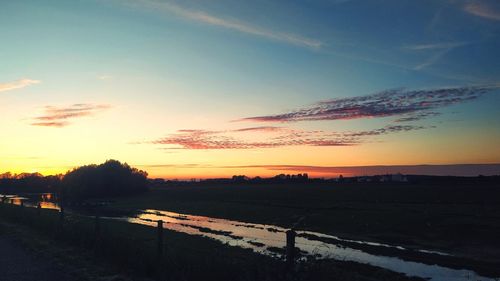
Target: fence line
[{"x": 69, "y": 222}]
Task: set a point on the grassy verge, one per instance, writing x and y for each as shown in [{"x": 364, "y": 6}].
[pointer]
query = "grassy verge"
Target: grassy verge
[
  {"x": 78, "y": 263},
  {"x": 463, "y": 219},
  {"x": 132, "y": 249}
]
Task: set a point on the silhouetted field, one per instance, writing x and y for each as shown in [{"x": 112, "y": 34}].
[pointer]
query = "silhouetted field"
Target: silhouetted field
[
  {"x": 132, "y": 248},
  {"x": 460, "y": 217}
]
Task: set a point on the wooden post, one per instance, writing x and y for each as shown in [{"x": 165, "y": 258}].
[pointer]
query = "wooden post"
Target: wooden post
[
  {"x": 97, "y": 231},
  {"x": 61, "y": 219},
  {"x": 39, "y": 209},
  {"x": 160, "y": 239},
  {"x": 290, "y": 248},
  {"x": 97, "y": 227},
  {"x": 21, "y": 202}
]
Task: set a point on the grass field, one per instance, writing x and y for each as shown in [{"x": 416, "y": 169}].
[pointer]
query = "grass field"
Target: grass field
[
  {"x": 132, "y": 249},
  {"x": 459, "y": 218}
]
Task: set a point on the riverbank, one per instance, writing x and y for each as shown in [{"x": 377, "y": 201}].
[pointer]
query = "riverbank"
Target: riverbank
[
  {"x": 131, "y": 249},
  {"x": 463, "y": 219}
]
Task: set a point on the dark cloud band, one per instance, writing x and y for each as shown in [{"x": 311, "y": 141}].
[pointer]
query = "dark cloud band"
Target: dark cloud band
[{"x": 412, "y": 105}]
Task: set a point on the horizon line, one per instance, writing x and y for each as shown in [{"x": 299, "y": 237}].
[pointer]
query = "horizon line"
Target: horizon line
[{"x": 461, "y": 169}]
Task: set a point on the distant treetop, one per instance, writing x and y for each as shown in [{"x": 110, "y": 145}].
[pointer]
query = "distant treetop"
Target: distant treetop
[{"x": 109, "y": 179}]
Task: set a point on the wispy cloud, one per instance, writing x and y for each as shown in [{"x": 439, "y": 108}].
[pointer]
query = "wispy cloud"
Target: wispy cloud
[
  {"x": 261, "y": 129},
  {"x": 435, "y": 46},
  {"x": 105, "y": 77},
  {"x": 57, "y": 124},
  {"x": 334, "y": 171},
  {"x": 397, "y": 102},
  {"x": 417, "y": 116},
  {"x": 483, "y": 9},
  {"x": 59, "y": 116},
  {"x": 18, "y": 84},
  {"x": 182, "y": 166},
  {"x": 440, "y": 50},
  {"x": 206, "y": 18},
  {"x": 432, "y": 59},
  {"x": 203, "y": 139}
]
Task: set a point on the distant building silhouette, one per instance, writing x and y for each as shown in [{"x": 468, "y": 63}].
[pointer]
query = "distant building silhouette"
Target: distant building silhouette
[{"x": 394, "y": 178}]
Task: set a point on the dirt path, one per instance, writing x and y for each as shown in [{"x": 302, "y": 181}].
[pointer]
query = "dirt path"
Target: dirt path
[{"x": 18, "y": 264}]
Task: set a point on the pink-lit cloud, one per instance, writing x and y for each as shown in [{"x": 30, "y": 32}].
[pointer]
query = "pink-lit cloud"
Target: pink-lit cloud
[
  {"x": 203, "y": 139},
  {"x": 397, "y": 102},
  {"x": 57, "y": 124},
  {"x": 58, "y": 116}
]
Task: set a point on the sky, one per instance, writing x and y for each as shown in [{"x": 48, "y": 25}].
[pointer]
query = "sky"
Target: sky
[{"x": 201, "y": 89}]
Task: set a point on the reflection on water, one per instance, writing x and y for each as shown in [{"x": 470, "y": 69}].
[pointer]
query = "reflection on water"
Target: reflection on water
[
  {"x": 17, "y": 200},
  {"x": 46, "y": 200},
  {"x": 49, "y": 205},
  {"x": 46, "y": 197},
  {"x": 263, "y": 238},
  {"x": 13, "y": 199}
]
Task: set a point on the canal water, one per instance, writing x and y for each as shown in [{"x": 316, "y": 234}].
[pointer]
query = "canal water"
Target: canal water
[{"x": 271, "y": 239}]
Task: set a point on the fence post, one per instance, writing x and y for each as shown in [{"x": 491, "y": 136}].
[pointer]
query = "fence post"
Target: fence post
[
  {"x": 97, "y": 231},
  {"x": 38, "y": 209},
  {"x": 97, "y": 227},
  {"x": 290, "y": 249},
  {"x": 160, "y": 239},
  {"x": 61, "y": 219}
]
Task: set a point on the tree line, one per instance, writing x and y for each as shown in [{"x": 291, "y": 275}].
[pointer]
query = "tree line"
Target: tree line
[{"x": 110, "y": 179}]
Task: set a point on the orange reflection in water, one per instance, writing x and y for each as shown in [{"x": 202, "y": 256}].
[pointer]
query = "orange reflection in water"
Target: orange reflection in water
[
  {"x": 47, "y": 197},
  {"x": 15, "y": 201},
  {"x": 49, "y": 205}
]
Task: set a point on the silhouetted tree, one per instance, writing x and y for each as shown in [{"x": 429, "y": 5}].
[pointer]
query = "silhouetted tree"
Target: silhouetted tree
[
  {"x": 109, "y": 179},
  {"x": 28, "y": 182}
]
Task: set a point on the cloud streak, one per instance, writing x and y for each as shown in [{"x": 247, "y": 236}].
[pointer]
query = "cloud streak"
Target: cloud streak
[
  {"x": 432, "y": 59},
  {"x": 18, "y": 84},
  {"x": 206, "y": 140},
  {"x": 440, "y": 50},
  {"x": 334, "y": 171},
  {"x": 435, "y": 46},
  {"x": 261, "y": 129},
  {"x": 397, "y": 102},
  {"x": 59, "y": 116},
  {"x": 437, "y": 170},
  {"x": 206, "y": 18},
  {"x": 417, "y": 116},
  {"x": 483, "y": 10}
]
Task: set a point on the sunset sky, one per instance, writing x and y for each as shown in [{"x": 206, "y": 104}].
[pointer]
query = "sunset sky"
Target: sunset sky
[{"x": 197, "y": 89}]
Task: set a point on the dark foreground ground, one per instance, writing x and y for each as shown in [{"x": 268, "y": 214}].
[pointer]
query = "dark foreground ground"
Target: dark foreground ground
[
  {"x": 461, "y": 217},
  {"x": 72, "y": 249},
  {"x": 17, "y": 263},
  {"x": 26, "y": 256}
]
